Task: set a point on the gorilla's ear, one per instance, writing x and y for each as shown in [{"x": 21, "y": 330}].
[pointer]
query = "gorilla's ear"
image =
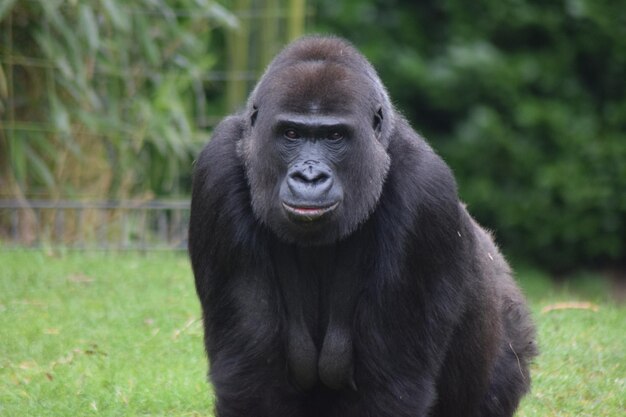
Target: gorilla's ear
[
  {"x": 378, "y": 121},
  {"x": 255, "y": 112}
]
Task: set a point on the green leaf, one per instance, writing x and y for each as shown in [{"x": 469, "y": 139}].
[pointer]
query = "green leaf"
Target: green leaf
[
  {"x": 147, "y": 43},
  {"x": 223, "y": 15},
  {"x": 60, "y": 116},
  {"x": 89, "y": 27},
  {"x": 39, "y": 168},
  {"x": 119, "y": 16},
  {"x": 56, "y": 53}
]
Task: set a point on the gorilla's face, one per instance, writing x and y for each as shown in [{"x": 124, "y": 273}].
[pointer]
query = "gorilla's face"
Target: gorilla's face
[
  {"x": 314, "y": 146},
  {"x": 313, "y": 153}
]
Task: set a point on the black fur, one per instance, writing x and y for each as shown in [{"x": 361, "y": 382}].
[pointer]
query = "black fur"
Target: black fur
[{"x": 393, "y": 302}]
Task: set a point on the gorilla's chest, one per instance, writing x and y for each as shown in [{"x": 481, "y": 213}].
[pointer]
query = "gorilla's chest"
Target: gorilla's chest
[
  {"x": 319, "y": 289},
  {"x": 307, "y": 280}
]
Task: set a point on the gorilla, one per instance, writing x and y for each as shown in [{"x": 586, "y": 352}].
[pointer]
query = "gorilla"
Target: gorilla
[{"x": 339, "y": 274}]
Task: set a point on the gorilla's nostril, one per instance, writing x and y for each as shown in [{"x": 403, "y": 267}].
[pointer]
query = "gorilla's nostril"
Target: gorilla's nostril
[
  {"x": 310, "y": 177},
  {"x": 320, "y": 178}
]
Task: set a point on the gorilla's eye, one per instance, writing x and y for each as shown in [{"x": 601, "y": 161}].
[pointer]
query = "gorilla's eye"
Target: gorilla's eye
[
  {"x": 335, "y": 136},
  {"x": 291, "y": 134}
]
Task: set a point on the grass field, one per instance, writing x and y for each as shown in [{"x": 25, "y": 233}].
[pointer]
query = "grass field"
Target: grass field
[{"x": 119, "y": 335}]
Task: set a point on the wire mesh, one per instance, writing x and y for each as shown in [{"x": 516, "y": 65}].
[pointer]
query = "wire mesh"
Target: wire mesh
[{"x": 105, "y": 225}]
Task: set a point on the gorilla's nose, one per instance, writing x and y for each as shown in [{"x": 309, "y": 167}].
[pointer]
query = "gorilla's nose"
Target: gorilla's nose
[{"x": 309, "y": 181}]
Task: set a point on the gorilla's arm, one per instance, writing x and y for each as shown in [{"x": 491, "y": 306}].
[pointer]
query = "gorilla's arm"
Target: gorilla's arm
[
  {"x": 242, "y": 320},
  {"x": 221, "y": 223},
  {"x": 422, "y": 271},
  {"x": 219, "y": 191}
]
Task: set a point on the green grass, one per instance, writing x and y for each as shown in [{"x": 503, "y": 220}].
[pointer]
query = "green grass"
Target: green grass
[
  {"x": 100, "y": 334},
  {"x": 581, "y": 370},
  {"x": 119, "y": 335}
]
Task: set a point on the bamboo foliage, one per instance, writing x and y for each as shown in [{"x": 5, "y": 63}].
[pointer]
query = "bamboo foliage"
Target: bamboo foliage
[
  {"x": 109, "y": 97},
  {"x": 102, "y": 95}
]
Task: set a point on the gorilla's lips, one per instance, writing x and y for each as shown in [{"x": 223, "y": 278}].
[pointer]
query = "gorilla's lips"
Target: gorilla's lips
[{"x": 309, "y": 213}]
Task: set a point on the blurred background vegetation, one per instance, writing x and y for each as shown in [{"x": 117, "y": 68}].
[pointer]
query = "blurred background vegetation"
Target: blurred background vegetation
[{"x": 525, "y": 99}]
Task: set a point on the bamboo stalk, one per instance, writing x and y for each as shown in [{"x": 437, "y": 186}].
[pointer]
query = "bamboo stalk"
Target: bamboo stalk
[
  {"x": 238, "y": 47},
  {"x": 295, "y": 23},
  {"x": 269, "y": 33}
]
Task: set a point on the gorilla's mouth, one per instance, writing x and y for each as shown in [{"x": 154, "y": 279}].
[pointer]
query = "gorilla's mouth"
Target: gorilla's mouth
[{"x": 309, "y": 213}]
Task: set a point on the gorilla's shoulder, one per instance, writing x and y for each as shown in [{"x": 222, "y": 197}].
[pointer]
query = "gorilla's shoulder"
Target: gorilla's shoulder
[
  {"x": 220, "y": 203},
  {"x": 418, "y": 170},
  {"x": 219, "y": 160},
  {"x": 219, "y": 178},
  {"x": 223, "y": 141},
  {"x": 420, "y": 194}
]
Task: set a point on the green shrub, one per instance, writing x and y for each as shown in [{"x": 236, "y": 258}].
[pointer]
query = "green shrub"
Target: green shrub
[{"x": 525, "y": 100}]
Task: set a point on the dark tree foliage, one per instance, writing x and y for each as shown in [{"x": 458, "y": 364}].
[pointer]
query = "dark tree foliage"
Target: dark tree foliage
[{"x": 525, "y": 100}]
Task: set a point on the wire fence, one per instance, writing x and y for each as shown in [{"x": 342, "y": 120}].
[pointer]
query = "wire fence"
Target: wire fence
[{"x": 100, "y": 225}]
